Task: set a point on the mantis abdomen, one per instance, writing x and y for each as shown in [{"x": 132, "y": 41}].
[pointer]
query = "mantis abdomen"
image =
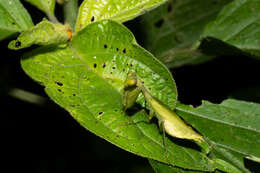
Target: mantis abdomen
[{"x": 169, "y": 120}]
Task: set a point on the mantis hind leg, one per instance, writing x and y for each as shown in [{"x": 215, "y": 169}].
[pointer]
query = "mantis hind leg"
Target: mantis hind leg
[{"x": 162, "y": 129}]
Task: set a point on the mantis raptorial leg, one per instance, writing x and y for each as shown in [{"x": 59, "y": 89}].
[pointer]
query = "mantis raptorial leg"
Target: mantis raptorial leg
[{"x": 169, "y": 121}]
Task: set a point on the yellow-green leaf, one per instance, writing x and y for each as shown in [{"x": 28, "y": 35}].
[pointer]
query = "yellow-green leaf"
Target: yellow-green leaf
[{"x": 118, "y": 10}]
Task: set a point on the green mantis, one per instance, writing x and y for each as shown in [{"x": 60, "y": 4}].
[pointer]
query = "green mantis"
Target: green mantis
[{"x": 169, "y": 121}]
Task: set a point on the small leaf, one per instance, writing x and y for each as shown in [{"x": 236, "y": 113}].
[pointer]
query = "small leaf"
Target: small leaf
[
  {"x": 47, "y": 6},
  {"x": 120, "y": 11},
  {"x": 237, "y": 25},
  {"x": 87, "y": 79},
  {"x": 171, "y": 30},
  {"x": 13, "y": 18},
  {"x": 44, "y": 33}
]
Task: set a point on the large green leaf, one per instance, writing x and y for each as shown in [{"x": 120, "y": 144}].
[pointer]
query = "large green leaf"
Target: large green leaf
[
  {"x": 13, "y": 18},
  {"x": 87, "y": 78},
  {"x": 172, "y": 29},
  {"x": 46, "y": 6},
  {"x": 237, "y": 25},
  {"x": 118, "y": 10},
  {"x": 232, "y": 126}
]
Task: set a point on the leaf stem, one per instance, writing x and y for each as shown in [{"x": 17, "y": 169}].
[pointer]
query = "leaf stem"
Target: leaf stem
[
  {"x": 70, "y": 12},
  {"x": 52, "y": 17}
]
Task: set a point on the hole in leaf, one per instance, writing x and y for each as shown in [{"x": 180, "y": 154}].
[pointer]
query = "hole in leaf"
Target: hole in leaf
[
  {"x": 105, "y": 46},
  {"x": 92, "y": 19},
  {"x": 104, "y": 65},
  {"x": 159, "y": 23},
  {"x": 59, "y": 83},
  {"x": 100, "y": 113},
  {"x": 74, "y": 95},
  {"x": 18, "y": 44},
  {"x": 95, "y": 65},
  {"x": 124, "y": 50},
  {"x": 131, "y": 65},
  {"x": 113, "y": 68},
  {"x": 60, "y": 91},
  {"x": 117, "y": 49}
]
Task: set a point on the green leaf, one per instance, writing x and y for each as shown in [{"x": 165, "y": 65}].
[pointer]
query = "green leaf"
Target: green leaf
[
  {"x": 13, "y": 18},
  {"x": 120, "y": 11},
  {"x": 220, "y": 165},
  {"x": 164, "y": 168},
  {"x": 237, "y": 25},
  {"x": 44, "y": 33},
  {"x": 87, "y": 79},
  {"x": 233, "y": 163},
  {"x": 228, "y": 160},
  {"x": 172, "y": 29},
  {"x": 232, "y": 125},
  {"x": 47, "y": 6}
]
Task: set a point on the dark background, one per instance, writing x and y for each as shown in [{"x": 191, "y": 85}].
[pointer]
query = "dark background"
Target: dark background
[{"x": 47, "y": 139}]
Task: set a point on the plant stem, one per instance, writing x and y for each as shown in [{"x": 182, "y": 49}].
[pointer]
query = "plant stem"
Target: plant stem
[
  {"x": 70, "y": 12},
  {"x": 52, "y": 18}
]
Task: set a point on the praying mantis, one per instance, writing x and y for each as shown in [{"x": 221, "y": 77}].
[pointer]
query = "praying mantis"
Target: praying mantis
[{"x": 169, "y": 122}]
